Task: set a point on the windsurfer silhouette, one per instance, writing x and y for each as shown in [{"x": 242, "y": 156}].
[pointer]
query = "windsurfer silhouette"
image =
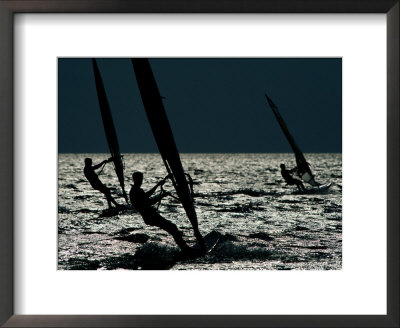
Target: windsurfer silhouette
[
  {"x": 287, "y": 175},
  {"x": 142, "y": 202},
  {"x": 95, "y": 182}
]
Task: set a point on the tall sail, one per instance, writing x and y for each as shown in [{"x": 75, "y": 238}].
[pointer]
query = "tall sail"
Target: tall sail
[
  {"x": 303, "y": 168},
  {"x": 109, "y": 128},
  {"x": 163, "y": 135}
]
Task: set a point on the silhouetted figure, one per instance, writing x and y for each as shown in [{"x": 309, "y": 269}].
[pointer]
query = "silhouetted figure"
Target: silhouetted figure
[
  {"x": 287, "y": 175},
  {"x": 95, "y": 182},
  {"x": 142, "y": 202}
]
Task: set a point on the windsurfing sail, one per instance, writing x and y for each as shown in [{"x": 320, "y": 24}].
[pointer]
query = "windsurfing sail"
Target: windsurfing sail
[
  {"x": 109, "y": 128},
  {"x": 164, "y": 138},
  {"x": 303, "y": 168}
]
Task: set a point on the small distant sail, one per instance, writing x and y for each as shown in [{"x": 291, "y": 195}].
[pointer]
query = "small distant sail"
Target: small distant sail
[
  {"x": 109, "y": 128},
  {"x": 162, "y": 132},
  {"x": 303, "y": 168}
]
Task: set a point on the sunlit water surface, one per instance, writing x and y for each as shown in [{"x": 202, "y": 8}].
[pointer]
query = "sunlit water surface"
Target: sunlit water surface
[{"x": 265, "y": 224}]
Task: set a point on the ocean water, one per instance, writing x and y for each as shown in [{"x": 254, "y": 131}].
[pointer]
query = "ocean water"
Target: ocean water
[{"x": 265, "y": 224}]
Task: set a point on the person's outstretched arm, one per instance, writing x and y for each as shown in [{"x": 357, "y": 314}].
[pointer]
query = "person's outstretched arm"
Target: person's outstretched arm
[
  {"x": 95, "y": 167},
  {"x": 157, "y": 198},
  {"x": 160, "y": 183},
  {"x": 152, "y": 190}
]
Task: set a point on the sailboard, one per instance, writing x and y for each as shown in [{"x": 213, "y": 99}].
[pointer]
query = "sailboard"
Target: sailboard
[
  {"x": 303, "y": 168},
  {"x": 211, "y": 240},
  {"x": 164, "y": 138},
  {"x": 109, "y": 128},
  {"x": 321, "y": 189}
]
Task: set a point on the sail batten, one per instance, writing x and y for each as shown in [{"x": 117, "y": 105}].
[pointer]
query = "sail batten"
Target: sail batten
[
  {"x": 109, "y": 128},
  {"x": 303, "y": 168},
  {"x": 163, "y": 135}
]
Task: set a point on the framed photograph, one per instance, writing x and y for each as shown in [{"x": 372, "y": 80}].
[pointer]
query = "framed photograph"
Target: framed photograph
[
  {"x": 238, "y": 216},
  {"x": 202, "y": 164}
]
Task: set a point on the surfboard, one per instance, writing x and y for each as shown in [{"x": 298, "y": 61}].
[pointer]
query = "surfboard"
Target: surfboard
[
  {"x": 316, "y": 190},
  {"x": 210, "y": 240},
  {"x": 109, "y": 128}
]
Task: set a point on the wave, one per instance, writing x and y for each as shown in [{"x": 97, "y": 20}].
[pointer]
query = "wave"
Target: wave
[
  {"x": 71, "y": 186},
  {"x": 333, "y": 208},
  {"x": 63, "y": 209},
  {"x": 247, "y": 192},
  {"x": 261, "y": 235},
  {"x": 122, "y": 209},
  {"x": 284, "y": 209},
  {"x": 334, "y": 218},
  {"x": 227, "y": 237},
  {"x": 240, "y": 208},
  {"x": 82, "y": 197},
  {"x": 124, "y": 232},
  {"x": 93, "y": 232},
  {"x": 124, "y": 261},
  {"x": 288, "y": 201},
  {"x": 301, "y": 228},
  {"x": 152, "y": 256},
  {"x": 82, "y": 264},
  {"x": 229, "y": 251},
  {"x": 139, "y": 238},
  {"x": 84, "y": 210}
]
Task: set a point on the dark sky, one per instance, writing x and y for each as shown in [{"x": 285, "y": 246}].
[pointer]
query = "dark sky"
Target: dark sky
[{"x": 213, "y": 105}]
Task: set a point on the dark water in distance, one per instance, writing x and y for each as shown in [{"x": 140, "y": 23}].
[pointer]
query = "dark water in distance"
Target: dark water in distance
[{"x": 265, "y": 224}]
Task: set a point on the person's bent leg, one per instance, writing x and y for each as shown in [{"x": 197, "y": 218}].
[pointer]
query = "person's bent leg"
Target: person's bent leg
[
  {"x": 302, "y": 185},
  {"x": 173, "y": 230},
  {"x": 200, "y": 239},
  {"x": 198, "y": 235},
  {"x": 298, "y": 184},
  {"x": 110, "y": 199},
  {"x": 114, "y": 202},
  {"x": 158, "y": 221}
]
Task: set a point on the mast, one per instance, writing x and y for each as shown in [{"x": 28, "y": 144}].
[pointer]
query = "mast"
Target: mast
[
  {"x": 303, "y": 168},
  {"x": 109, "y": 128},
  {"x": 163, "y": 136}
]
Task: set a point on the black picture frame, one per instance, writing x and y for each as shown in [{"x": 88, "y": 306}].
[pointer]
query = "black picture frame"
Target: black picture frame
[{"x": 10, "y": 7}]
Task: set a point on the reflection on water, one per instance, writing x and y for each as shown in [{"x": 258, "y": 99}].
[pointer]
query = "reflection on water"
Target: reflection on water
[{"x": 265, "y": 224}]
